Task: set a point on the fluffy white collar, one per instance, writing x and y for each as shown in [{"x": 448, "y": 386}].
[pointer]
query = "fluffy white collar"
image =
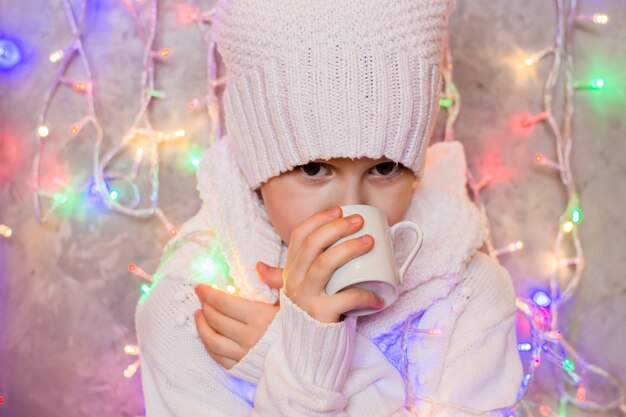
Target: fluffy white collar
[{"x": 454, "y": 228}]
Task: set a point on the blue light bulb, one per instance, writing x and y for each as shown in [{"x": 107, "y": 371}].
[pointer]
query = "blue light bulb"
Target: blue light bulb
[
  {"x": 541, "y": 298},
  {"x": 10, "y": 54}
]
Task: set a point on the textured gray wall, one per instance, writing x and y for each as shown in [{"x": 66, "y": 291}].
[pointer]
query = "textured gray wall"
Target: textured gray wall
[{"x": 67, "y": 300}]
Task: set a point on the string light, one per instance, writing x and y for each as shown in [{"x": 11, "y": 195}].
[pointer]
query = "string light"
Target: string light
[
  {"x": 80, "y": 86},
  {"x": 157, "y": 94},
  {"x": 533, "y": 120},
  {"x": 59, "y": 54},
  {"x": 114, "y": 194},
  {"x": 546, "y": 338},
  {"x": 600, "y": 19},
  {"x": 535, "y": 58},
  {"x": 56, "y": 56},
  {"x": 101, "y": 175},
  {"x": 597, "y": 18},
  {"x": 544, "y": 321},
  {"x": 5, "y": 231},
  {"x": 576, "y": 216},
  {"x": 43, "y": 131},
  {"x": 428, "y": 332},
  {"x": 196, "y": 103},
  {"x": 139, "y": 154},
  {"x": 131, "y": 350},
  {"x": 131, "y": 369},
  {"x": 541, "y": 299},
  {"x": 595, "y": 84},
  {"x": 10, "y": 55},
  {"x": 134, "y": 269},
  {"x": 162, "y": 53},
  {"x": 510, "y": 248},
  {"x": 195, "y": 161},
  {"x": 78, "y": 126},
  {"x": 445, "y": 102},
  {"x": 545, "y": 161}
]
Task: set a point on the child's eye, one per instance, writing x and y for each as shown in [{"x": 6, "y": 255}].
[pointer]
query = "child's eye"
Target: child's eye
[
  {"x": 313, "y": 170},
  {"x": 387, "y": 169}
]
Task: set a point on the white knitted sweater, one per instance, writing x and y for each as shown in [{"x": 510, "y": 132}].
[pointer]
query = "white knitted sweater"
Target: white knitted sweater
[{"x": 379, "y": 366}]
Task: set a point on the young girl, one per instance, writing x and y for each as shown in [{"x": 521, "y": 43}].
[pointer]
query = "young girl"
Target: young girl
[{"x": 329, "y": 103}]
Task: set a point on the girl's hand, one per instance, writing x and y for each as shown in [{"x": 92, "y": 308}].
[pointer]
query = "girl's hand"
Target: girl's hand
[
  {"x": 229, "y": 325},
  {"x": 310, "y": 264}
]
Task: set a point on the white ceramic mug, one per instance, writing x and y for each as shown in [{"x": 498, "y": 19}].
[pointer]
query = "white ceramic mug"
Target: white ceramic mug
[{"x": 375, "y": 270}]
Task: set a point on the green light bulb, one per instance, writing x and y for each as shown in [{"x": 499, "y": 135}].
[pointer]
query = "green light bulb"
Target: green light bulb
[
  {"x": 597, "y": 84},
  {"x": 60, "y": 198},
  {"x": 445, "y": 102}
]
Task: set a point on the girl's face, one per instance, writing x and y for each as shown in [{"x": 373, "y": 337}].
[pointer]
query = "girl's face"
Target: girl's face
[{"x": 294, "y": 196}]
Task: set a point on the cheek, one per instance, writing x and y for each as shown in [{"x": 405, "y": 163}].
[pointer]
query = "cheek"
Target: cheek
[
  {"x": 287, "y": 206},
  {"x": 395, "y": 201}
]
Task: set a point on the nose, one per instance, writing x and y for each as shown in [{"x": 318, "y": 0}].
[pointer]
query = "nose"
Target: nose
[{"x": 351, "y": 193}]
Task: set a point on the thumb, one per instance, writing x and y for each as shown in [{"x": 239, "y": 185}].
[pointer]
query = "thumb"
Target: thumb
[{"x": 270, "y": 275}]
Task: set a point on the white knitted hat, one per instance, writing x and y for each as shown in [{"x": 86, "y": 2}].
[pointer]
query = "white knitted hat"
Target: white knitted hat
[{"x": 321, "y": 79}]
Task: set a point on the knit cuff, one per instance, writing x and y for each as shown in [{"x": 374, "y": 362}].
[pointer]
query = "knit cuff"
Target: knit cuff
[
  {"x": 250, "y": 367},
  {"x": 318, "y": 353}
]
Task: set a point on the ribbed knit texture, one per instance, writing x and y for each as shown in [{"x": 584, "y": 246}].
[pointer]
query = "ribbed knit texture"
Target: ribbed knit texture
[{"x": 328, "y": 79}]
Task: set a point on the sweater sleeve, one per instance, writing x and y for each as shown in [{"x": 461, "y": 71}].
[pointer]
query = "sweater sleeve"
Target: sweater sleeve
[
  {"x": 325, "y": 369},
  {"x": 480, "y": 370},
  {"x": 179, "y": 378}
]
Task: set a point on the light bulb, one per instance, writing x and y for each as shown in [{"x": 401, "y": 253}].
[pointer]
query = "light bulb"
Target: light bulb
[
  {"x": 541, "y": 298},
  {"x": 80, "y": 86},
  {"x": 568, "y": 226},
  {"x": 43, "y": 131},
  {"x": 56, "y": 56},
  {"x": 10, "y": 54},
  {"x": 600, "y": 19},
  {"x": 6, "y": 231},
  {"x": 131, "y": 350},
  {"x": 530, "y": 61}
]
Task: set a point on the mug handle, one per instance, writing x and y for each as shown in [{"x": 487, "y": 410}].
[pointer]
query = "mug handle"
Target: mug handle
[{"x": 418, "y": 244}]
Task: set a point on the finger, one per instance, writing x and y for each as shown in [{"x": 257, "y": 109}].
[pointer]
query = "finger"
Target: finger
[
  {"x": 215, "y": 343},
  {"x": 325, "y": 265},
  {"x": 224, "y": 362},
  {"x": 355, "y": 298},
  {"x": 270, "y": 275},
  {"x": 224, "y": 325},
  {"x": 307, "y": 227},
  {"x": 230, "y": 305},
  {"x": 319, "y": 240}
]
